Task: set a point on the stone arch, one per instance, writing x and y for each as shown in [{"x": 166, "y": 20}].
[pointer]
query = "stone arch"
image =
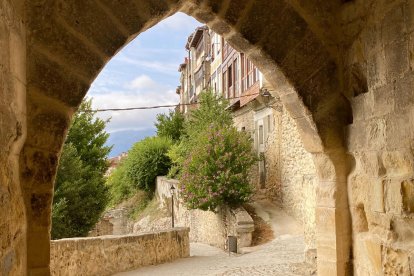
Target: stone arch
[{"x": 68, "y": 43}]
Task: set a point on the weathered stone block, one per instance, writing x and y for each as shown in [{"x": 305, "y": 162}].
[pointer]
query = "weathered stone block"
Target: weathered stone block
[
  {"x": 46, "y": 127},
  {"x": 397, "y": 59},
  {"x": 134, "y": 14},
  {"x": 407, "y": 190},
  {"x": 358, "y": 107},
  {"x": 38, "y": 169},
  {"x": 368, "y": 253},
  {"x": 409, "y": 16},
  {"x": 71, "y": 51},
  {"x": 377, "y": 219},
  {"x": 356, "y": 136},
  {"x": 393, "y": 25},
  {"x": 93, "y": 24},
  {"x": 404, "y": 93},
  {"x": 395, "y": 262},
  {"x": 369, "y": 163},
  {"x": 377, "y": 68},
  {"x": 262, "y": 12},
  {"x": 327, "y": 267},
  {"x": 38, "y": 247},
  {"x": 393, "y": 197},
  {"x": 309, "y": 134},
  {"x": 376, "y": 134},
  {"x": 236, "y": 9},
  {"x": 383, "y": 100},
  {"x": 326, "y": 194},
  {"x": 398, "y": 163},
  {"x": 294, "y": 105},
  {"x": 291, "y": 36},
  {"x": 49, "y": 78},
  {"x": 376, "y": 196},
  {"x": 398, "y": 132},
  {"x": 359, "y": 189},
  {"x": 404, "y": 230},
  {"x": 359, "y": 219}
]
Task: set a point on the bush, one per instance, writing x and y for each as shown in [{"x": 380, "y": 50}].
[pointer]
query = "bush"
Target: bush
[
  {"x": 216, "y": 171},
  {"x": 212, "y": 110},
  {"x": 171, "y": 125},
  {"x": 146, "y": 160},
  {"x": 213, "y": 160},
  {"x": 120, "y": 187}
]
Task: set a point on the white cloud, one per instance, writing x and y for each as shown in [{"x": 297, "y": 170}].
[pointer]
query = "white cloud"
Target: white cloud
[
  {"x": 157, "y": 66},
  {"x": 141, "y": 82},
  {"x": 142, "y": 91}
]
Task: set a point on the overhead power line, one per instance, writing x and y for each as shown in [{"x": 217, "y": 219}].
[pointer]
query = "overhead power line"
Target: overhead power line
[{"x": 156, "y": 106}]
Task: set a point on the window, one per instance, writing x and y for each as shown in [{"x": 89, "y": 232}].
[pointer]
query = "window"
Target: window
[
  {"x": 261, "y": 135},
  {"x": 236, "y": 77},
  {"x": 224, "y": 84},
  {"x": 243, "y": 72},
  {"x": 230, "y": 76},
  {"x": 269, "y": 123}
]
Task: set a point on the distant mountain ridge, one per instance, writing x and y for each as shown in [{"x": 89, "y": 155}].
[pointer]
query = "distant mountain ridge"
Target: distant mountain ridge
[{"x": 122, "y": 141}]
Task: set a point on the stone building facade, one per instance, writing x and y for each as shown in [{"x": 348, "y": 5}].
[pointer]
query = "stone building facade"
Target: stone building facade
[{"x": 286, "y": 172}]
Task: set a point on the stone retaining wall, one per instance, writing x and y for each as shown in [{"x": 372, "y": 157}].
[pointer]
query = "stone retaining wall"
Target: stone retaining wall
[
  {"x": 106, "y": 255},
  {"x": 206, "y": 226}
]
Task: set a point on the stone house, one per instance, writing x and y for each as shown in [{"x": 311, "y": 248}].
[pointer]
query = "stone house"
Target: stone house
[{"x": 285, "y": 173}]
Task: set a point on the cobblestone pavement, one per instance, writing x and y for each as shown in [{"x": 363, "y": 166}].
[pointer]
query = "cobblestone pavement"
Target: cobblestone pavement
[{"x": 283, "y": 256}]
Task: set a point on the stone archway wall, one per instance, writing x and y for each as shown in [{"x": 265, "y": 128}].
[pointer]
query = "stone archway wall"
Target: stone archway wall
[
  {"x": 12, "y": 135},
  {"x": 379, "y": 70},
  {"x": 68, "y": 42}
]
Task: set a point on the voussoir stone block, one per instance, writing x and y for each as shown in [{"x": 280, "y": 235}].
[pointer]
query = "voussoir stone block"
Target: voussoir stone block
[
  {"x": 46, "y": 128},
  {"x": 93, "y": 23},
  {"x": 50, "y": 79}
]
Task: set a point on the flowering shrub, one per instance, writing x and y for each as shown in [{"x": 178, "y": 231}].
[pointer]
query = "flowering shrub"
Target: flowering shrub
[{"x": 216, "y": 169}]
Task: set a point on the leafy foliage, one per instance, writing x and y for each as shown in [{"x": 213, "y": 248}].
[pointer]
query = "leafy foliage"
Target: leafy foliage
[
  {"x": 213, "y": 161},
  {"x": 120, "y": 187},
  {"x": 216, "y": 171},
  {"x": 171, "y": 125},
  {"x": 212, "y": 110},
  {"x": 80, "y": 191},
  {"x": 146, "y": 160},
  {"x": 88, "y": 135}
]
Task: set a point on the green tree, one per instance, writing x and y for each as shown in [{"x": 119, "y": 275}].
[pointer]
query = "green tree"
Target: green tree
[
  {"x": 146, "y": 160},
  {"x": 170, "y": 125},
  {"x": 87, "y": 134},
  {"x": 80, "y": 192}
]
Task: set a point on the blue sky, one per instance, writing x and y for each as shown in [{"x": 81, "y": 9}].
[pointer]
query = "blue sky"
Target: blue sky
[{"x": 143, "y": 73}]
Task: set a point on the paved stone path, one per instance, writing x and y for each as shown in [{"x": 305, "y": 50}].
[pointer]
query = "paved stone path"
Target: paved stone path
[{"x": 283, "y": 256}]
